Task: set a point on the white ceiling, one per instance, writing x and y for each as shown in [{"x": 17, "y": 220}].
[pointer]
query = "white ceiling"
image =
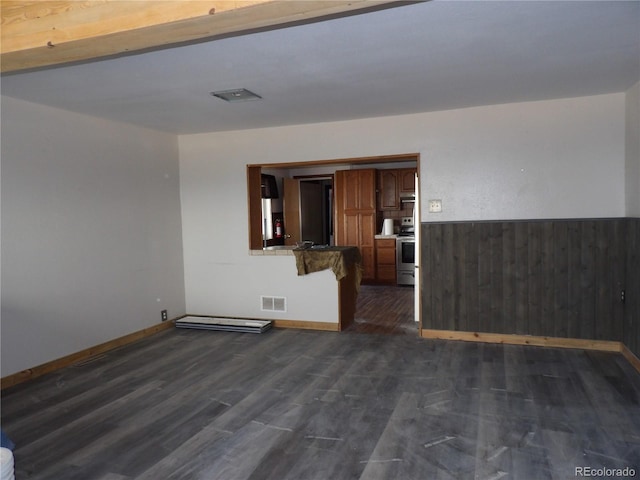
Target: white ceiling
[{"x": 421, "y": 57}]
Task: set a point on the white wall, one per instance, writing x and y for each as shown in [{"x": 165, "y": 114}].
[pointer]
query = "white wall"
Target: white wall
[
  {"x": 633, "y": 151},
  {"x": 91, "y": 232},
  {"x": 552, "y": 159},
  {"x": 221, "y": 278}
]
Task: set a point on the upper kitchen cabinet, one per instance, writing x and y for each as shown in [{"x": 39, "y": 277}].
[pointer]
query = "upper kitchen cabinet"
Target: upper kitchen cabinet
[
  {"x": 355, "y": 192},
  {"x": 388, "y": 194},
  {"x": 407, "y": 180},
  {"x": 391, "y": 184}
]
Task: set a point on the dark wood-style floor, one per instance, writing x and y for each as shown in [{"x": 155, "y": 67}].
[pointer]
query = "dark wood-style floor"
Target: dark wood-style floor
[
  {"x": 292, "y": 404},
  {"x": 386, "y": 310}
]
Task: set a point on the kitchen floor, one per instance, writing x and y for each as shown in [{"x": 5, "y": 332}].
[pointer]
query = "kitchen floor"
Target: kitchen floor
[
  {"x": 386, "y": 310},
  {"x": 296, "y": 404}
]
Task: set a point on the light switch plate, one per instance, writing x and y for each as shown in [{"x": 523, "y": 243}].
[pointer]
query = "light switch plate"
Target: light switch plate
[{"x": 435, "y": 206}]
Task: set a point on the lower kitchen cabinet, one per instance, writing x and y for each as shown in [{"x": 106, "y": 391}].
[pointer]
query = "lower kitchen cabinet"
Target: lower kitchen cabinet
[
  {"x": 386, "y": 261},
  {"x": 358, "y": 229}
]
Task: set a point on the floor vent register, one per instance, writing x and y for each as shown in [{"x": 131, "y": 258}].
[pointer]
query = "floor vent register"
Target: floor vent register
[{"x": 225, "y": 324}]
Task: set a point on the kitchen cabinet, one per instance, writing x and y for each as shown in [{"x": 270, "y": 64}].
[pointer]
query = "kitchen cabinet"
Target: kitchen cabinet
[
  {"x": 357, "y": 188},
  {"x": 388, "y": 194},
  {"x": 355, "y": 196},
  {"x": 386, "y": 261},
  {"x": 406, "y": 180},
  {"x": 391, "y": 184}
]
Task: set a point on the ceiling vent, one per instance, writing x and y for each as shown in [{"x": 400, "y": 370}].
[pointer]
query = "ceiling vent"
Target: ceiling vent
[{"x": 236, "y": 95}]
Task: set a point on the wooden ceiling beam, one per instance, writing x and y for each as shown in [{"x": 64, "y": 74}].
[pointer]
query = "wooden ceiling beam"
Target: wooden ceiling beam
[{"x": 38, "y": 34}]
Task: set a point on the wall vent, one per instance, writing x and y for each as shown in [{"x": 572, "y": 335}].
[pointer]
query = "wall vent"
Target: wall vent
[{"x": 273, "y": 304}]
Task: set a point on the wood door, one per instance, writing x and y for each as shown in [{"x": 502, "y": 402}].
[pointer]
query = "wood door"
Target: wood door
[{"x": 291, "y": 207}]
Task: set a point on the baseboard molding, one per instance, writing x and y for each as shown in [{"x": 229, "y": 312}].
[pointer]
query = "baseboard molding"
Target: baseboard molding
[
  {"x": 554, "y": 342},
  {"x": 35, "y": 372},
  {"x": 604, "y": 345},
  {"x": 324, "y": 326},
  {"x": 631, "y": 357}
]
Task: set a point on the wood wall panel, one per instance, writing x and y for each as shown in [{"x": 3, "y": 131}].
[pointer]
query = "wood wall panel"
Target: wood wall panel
[
  {"x": 560, "y": 285},
  {"x": 521, "y": 299},
  {"x": 459, "y": 270},
  {"x": 508, "y": 277},
  {"x": 470, "y": 277},
  {"x": 556, "y": 278},
  {"x": 587, "y": 280},
  {"x": 631, "y": 324},
  {"x": 574, "y": 287}
]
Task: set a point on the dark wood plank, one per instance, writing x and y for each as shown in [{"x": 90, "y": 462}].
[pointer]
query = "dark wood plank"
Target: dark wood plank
[
  {"x": 426, "y": 275},
  {"x": 483, "y": 256},
  {"x": 437, "y": 269},
  {"x": 289, "y": 404},
  {"x": 574, "y": 299},
  {"x": 603, "y": 246},
  {"x": 448, "y": 276},
  {"x": 610, "y": 306},
  {"x": 496, "y": 273},
  {"x": 586, "y": 307},
  {"x": 549, "y": 272},
  {"x": 631, "y": 325},
  {"x": 508, "y": 277},
  {"x": 560, "y": 285},
  {"x": 535, "y": 278},
  {"x": 522, "y": 278},
  {"x": 460, "y": 313},
  {"x": 471, "y": 295}
]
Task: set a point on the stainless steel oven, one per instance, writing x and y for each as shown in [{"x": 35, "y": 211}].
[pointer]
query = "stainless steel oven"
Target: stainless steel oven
[{"x": 406, "y": 260}]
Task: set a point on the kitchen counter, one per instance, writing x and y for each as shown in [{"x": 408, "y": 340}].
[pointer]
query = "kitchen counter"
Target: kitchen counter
[
  {"x": 346, "y": 264},
  {"x": 381, "y": 236},
  {"x": 274, "y": 250}
]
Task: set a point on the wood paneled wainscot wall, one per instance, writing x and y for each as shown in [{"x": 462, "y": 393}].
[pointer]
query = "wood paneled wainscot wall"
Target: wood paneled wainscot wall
[
  {"x": 631, "y": 327},
  {"x": 545, "y": 278}
]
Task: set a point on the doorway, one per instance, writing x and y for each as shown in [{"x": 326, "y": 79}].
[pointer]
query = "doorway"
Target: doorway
[
  {"x": 316, "y": 210},
  {"x": 385, "y": 309},
  {"x": 382, "y": 308},
  {"x": 394, "y": 309}
]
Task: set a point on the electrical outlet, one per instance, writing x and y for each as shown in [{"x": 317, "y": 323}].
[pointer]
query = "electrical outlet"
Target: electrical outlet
[
  {"x": 164, "y": 315},
  {"x": 435, "y": 206}
]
